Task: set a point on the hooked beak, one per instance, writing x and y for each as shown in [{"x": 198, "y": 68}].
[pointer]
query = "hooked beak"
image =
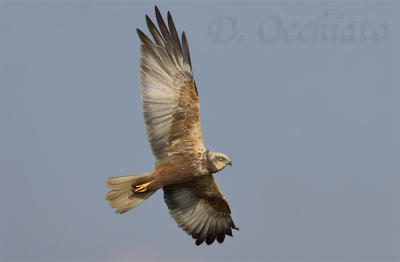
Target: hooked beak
[{"x": 229, "y": 163}]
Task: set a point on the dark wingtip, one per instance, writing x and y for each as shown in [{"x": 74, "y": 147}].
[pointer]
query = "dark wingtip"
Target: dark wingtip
[
  {"x": 221, "y": 238},
  {"x": 210, "y": 239},
  {"x": 149, "y": 22},
  {"x": 169, "y": 17},
  {"x": 140, "y": 34},
  {"x": 157, "y": 11},
  {"x": 199, "y": 241}
]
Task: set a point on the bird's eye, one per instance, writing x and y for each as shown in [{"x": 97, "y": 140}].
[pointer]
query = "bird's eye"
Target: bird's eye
[{"x": 220, "y": 159}]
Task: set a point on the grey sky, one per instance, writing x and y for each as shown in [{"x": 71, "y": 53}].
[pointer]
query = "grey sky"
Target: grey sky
[{"x": 309, "y": 119}]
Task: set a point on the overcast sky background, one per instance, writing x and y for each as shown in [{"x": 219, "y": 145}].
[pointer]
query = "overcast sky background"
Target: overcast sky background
[{"x": 310, "y": 121}]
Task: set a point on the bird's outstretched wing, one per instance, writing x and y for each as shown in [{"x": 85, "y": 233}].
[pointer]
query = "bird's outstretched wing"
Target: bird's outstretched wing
[
  {"x": 170, "y": 99},
  {"x": 200, "y": 209}
]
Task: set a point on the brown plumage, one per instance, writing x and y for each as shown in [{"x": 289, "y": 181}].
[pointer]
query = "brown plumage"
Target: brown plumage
[{"x": 183, "y": 166}]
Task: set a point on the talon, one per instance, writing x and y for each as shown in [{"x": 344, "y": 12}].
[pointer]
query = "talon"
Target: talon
[{"x": 141, "y": 188}]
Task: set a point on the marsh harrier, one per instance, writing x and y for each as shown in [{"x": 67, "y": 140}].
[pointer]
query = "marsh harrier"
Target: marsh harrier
[{"x": 183, "y": 167}]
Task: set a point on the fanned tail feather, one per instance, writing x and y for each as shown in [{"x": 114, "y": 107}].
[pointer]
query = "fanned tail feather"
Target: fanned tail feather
[{"x": 122, "y": 196}]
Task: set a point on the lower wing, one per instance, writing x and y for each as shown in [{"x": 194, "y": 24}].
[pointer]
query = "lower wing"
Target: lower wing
[{"x": 200, "y": 209}]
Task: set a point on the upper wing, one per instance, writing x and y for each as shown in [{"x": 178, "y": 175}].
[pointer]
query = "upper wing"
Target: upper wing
[
  {"x": 200, "y": 209},
  {"x": 170, "y": 100}
]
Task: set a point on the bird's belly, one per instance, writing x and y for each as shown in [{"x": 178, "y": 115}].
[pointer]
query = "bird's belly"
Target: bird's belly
[{"x": 178, "y": 171}]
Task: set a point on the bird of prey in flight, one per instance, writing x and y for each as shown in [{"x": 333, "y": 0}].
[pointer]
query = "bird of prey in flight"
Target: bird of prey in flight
[{"x": 183, "y": 167}]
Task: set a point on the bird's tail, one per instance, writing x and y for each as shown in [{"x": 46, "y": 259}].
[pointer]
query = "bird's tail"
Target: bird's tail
[{"x": 122, "y": 197}]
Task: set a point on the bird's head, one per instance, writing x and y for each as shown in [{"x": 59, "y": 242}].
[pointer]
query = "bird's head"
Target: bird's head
[{"x": 217, "y": 161}]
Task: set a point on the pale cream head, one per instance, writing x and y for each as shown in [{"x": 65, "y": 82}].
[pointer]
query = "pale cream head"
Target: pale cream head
[{"x": 217, "y": 161}]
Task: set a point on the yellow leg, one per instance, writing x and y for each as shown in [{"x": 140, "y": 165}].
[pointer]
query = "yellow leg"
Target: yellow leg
[{"x": 142, "y": 188}]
